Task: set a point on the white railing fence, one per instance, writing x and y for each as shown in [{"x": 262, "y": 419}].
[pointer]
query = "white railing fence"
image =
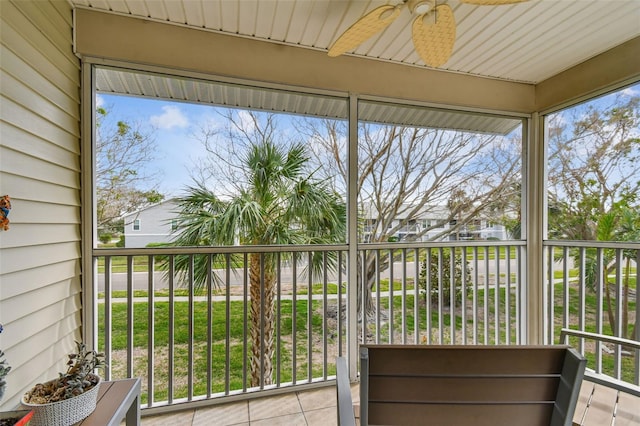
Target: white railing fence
[
  {"x": 591, "y": 287},
  {"x": 204, "y": 324}
]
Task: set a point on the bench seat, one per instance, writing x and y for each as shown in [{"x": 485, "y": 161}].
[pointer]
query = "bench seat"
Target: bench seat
[{"x": 458, "y": 385}]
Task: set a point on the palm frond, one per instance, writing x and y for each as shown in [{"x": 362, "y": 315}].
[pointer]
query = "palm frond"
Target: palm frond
[{"x": 281, "y": 204}]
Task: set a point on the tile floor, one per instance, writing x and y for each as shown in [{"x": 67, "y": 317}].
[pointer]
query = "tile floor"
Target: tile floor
[
  {"x": 318, "y": 407},
  {"x": 311, "y": 407}
]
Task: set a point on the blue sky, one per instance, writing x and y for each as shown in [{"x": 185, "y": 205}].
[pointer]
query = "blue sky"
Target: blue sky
[{"x": 175, "y": 126}]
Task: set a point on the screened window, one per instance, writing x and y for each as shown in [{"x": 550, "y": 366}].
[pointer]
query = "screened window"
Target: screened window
[{"x": 594, "y": 169}]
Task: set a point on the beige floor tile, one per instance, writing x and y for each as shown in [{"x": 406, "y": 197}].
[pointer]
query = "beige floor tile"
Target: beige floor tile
[
  {"x": 322, "y": 417},
  {"x": 223, "y": 415},
  {"x": 265, "y": 408},
  {"x": 319, "y": 398},
  {"x": 288, "y": 420},
  {"x": 182, "y": 418}
]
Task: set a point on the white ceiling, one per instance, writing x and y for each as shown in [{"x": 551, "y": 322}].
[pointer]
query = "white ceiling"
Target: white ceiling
[{"x": 526, "y": 42}]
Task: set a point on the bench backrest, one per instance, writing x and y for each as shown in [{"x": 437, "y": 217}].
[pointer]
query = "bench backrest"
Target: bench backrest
[{"x": 474, "y": 385}]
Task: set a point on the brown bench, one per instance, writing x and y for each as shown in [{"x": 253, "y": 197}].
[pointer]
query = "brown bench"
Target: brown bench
[
  {"x": 464, "y": 385},
  {"x": 117, "y": 400}
]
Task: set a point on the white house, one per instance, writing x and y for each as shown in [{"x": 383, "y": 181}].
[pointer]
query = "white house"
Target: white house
[
  {"x": 156, "y": 223},
  {"x": 152, "y": 224},
  {"x": 433, "y": 224}
]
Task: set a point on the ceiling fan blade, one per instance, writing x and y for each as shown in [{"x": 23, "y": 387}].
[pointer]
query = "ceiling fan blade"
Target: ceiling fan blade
[
  {"x": 365, "y": 27},
  {"x": 491, "y": 2},
  {"x": 434, "y": 40}
]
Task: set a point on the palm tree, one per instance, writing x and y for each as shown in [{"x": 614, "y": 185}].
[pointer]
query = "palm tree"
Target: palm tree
[
  {"x": 621, "y": 224},
  {"x": 278, "y": 203},
  {"x": 629, "y": 230}
]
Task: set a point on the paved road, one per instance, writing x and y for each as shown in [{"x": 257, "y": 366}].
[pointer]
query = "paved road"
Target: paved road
[{"x": 141, "y": 280}]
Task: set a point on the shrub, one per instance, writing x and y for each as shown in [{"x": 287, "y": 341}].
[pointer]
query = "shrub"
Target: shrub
[
  {"x": 434, "y": 275},
  {"x": 105, "y": 238}
]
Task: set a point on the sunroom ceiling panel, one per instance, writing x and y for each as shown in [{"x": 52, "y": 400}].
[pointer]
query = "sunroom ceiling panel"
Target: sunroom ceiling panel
[
  {"x": 281, "y": 17},
  {"x": 528, "y": 42},
  {"x": 175, "y": 11},
  {"x": 194, "y": 13},
  {"x": 383, "y": 113},
  {"x": 156, "y": 10},
  {"x": 157, "y": 86}
]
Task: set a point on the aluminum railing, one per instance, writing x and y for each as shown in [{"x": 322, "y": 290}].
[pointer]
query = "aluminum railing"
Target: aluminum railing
[
  {"x": 471, "y": 292},
  {"x": 443, "y": 293},
  {"x": 599, "y": 377},
  {"x": 202, "y": 336},
  {"x": 591, "y": 288}
]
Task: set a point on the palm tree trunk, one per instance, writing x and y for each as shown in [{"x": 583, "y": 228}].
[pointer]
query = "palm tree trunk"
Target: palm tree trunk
[{"x": 262, "y": 314}]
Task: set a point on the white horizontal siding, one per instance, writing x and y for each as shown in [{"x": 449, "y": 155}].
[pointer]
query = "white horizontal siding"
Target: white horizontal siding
[
  {"x": 21, "y": 92},
  {"x": 37, "y": 190},
  {"x": 52, "y": 297},
  {"x": 32, "y": 279},
  {"x": 31, "y": 257},
  {"x": 19, "y": 116},
  {"x": 33, "y": 45},
  {"x": 29, "y": 144},
  {"x": 36, "y": 212},
  {"x": 18, "y": 69},
  {"x": 49, "y": 172},
  {"x": 40, "y": 304},
  {"x": 48, "y": 234},
  {"x": 36, "y": 352}
]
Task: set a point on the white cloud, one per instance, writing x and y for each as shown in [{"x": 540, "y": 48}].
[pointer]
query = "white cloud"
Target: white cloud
[
  {"x": 170, "y": 118},
  {"x": 246, "y": 122},
  {"x": 630, "y": 91},
  {"x": 99, "y": 101}
]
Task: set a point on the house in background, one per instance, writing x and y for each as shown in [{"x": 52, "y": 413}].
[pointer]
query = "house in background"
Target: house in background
[
  {"x": 157, "y": 224},
  {"x": 152, "y": 224},
  {"x": 432, "y": 223}
]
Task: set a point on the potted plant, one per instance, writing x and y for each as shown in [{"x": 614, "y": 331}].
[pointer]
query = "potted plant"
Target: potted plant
[
  {"x": 70, "y": 397},
  {"x": 16, "y": 417},
  {"x": 4, "y": 370}
]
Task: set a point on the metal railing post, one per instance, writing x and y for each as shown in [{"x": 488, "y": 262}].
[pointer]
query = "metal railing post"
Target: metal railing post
[{"x": 352, "y": 240}]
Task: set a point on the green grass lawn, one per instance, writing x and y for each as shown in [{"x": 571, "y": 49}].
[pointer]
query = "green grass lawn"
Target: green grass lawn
[
  {"x": 224, "y": 318},
  {"x": 120, "y": 264},
  {"x": 608, "y": 360},
  {"x": 399, "y": 321}
]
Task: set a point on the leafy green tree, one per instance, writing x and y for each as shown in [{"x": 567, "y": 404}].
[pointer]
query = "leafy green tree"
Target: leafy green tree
[
  {"x": 122, "y": 151},
  {"x": 416, "y": 173},
  {"x": 594, "y": 165},
  {"x": 622, "y": 224},
  {"x": 594, "y": 183},
  {"x": 628, "y": 230},
  {"x": 276, "y": 201}
]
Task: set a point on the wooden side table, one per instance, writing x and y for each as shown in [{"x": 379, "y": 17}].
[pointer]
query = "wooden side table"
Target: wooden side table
[{"x": 117, "y": 400}]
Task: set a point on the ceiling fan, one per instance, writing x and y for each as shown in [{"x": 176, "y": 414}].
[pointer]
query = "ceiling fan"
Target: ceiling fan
[{"x": 433, "y": 30}]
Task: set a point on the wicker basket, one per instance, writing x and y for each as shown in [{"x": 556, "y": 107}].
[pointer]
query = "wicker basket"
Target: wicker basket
[{"x": 67, "y": 412}]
